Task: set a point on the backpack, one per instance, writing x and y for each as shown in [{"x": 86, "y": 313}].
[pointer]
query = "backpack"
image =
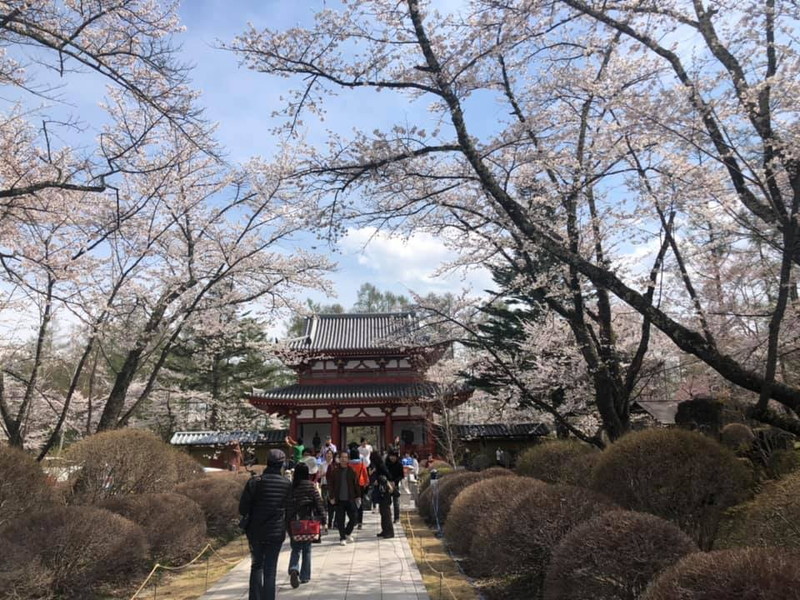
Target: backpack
[
  {"x": 244, "y": 522},
  {"x": 362, "y": 475}
]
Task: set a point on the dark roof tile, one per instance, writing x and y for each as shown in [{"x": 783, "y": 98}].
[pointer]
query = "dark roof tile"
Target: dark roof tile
[
  {"x": 500, "y": 431},
  {"x": 216, "y": 438},
  {"x": 367, "y": 391},
  {"x": 358, "y": 331}
]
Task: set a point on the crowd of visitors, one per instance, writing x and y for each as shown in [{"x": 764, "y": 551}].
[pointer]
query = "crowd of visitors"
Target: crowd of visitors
[{"x": 319, "y": 489}]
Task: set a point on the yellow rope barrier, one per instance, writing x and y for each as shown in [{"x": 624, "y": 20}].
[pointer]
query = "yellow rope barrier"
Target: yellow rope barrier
[
  {"x": 425, "y": 558},
  {"x": 158, "y": 566}
]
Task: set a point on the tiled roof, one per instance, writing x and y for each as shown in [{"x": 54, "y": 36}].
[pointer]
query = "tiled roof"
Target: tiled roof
[
  {"x": 662, "y": 411},
  {"x": 362, "y": 391},
  {"x": 214, "y": 438},
  {"x": 356, "y": 331},
  {"x": 499, "y": 430}
]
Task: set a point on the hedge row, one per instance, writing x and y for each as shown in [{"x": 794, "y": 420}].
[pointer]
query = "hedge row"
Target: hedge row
[
  {"x": 525, "y": 538},
  {"x": 132, "y": 500}
]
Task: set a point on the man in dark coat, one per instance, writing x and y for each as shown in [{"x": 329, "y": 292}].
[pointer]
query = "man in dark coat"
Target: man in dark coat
[
  {"x": 344, "y": 494},
  {"x": 395, "y": 468},
  {"x": 267, "y": 499}
]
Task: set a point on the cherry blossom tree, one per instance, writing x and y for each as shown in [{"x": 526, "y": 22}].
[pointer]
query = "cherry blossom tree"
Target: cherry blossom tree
[
  {"x": 620, "y": 126},
  {"x": 127, "y": 229}
]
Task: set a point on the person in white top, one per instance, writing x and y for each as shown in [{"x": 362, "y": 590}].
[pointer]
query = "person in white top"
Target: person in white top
[
  {"x": 329, "y": 445},
  {"x": 364, "y": 450}
]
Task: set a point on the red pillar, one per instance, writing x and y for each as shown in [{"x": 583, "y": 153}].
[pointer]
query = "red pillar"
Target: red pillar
[
  {"x": 388, "y": 428},
  {"x": 293, "y": 424},
  {"x": 335, "y": 429}
]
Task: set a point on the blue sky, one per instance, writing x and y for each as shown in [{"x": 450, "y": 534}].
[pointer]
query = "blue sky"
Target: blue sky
[{"x": 241, "y": 102}]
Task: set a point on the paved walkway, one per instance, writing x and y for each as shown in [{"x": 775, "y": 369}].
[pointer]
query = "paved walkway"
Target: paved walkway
[{"x": 370, "y": 568}]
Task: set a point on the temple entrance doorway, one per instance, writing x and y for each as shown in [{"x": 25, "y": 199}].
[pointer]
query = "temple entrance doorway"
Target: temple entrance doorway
[{"x": 354, "y": 433}]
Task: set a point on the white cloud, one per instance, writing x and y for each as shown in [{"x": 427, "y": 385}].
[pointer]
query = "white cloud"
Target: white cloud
[{"x": 412, "y": 263}]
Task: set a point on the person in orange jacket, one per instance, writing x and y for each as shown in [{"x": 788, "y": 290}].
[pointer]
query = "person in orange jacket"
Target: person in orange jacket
[{"x": 362, "y": 477}]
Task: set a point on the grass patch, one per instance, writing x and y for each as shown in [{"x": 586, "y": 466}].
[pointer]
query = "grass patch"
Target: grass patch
[
  {"x": 442, "y": 578},
  {"x": 193, "y": 581}
]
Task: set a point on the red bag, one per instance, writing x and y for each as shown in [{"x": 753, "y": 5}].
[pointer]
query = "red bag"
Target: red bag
[{"x": 304, "y": 530}]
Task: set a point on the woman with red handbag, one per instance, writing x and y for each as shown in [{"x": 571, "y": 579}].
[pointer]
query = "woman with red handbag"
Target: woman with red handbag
[{"x": 308, "y": 513}]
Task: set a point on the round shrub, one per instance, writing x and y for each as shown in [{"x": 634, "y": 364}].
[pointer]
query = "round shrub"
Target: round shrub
[
  {"x": 21, "y": 574},
  {"x": 186, "y": 467},
  {"x": 767, "y": 519},
  {"x": 476, "y": 501},
  {"x": 174, "y": 524},
  {"x": 738, "y": 437},
  {"x": 452, "y": 486},
  {"x": 425, "y": 477},
  {"x": 782, "y": 462},
  {"x": 482, "y": 461},
  {"x": 425, "y": 503},
  {"x": 23, "y": 485},
  {"x": 520, "y": 536},
  {"x": 559, "y": 461},
  {"x": 747, "y": 573},
  {"x": 77, "y": 550},
  {"x": 682, "y": 476},
  {"x": 614, "y": 556},
  {"x": 218, "y": 497},
  {"x": 125, "y": 461},
  {"x": 439, "y": 464}
]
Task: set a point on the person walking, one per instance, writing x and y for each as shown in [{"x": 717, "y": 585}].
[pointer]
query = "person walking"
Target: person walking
[
  {"x": 297, "y": 448},
  {"x": 345, "y": 495},
  {"x": 329, "y": 445},
  {"x": 395, "y": 468},
  {"x": 365, "y": 451},
  {"x": 380, "y": 480},
  {"x": 306, "y": 504},
  {"x": 325, "y": 469},
  {"x": 265, "y": 502},
  {"x": 362, "y": 477}
]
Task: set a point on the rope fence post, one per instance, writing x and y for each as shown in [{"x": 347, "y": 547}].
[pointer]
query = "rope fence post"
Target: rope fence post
[
  {"x": 157, "y": 568},
  {"x": 207, "y": 566}
]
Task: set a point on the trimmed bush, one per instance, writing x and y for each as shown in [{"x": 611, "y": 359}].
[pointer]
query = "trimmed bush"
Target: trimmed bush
[
  {"x": 482, "y": 461},
  {"x": 125, "y": 461},
  {"x": 70, "y": 551},
  {"x": 425, "y": 477},
  {"x": 559, "y": 461},
  {"x": 425, "y": 499},
  {"x": 614, "y": 556},
  {"x": 682, "y": 476},
  {"x": 773, "y": 450},
  {"x": 186, "y": 467},
  {"x": 770, "y": 519},
  {"x": 451, "y": 486},
  {"x": 439, "y": 464},
  {"x": 520, "y": 536},
  {"x": 748, "y": 573},
  {"x": 782, "y": 462},
  {"x": 738, "y": 437},
  {"x": 218, "y": 497},
  {"x": 174, "y": 524},
  {"x": 476, "y": 501},
  {"x": 23, "y": 485}
]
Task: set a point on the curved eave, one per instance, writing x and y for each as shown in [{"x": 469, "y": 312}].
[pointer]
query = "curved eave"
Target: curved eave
[{"x": 295, "y": 357}]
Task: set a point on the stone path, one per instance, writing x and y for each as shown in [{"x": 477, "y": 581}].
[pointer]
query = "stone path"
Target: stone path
[{"x": 370, "y": 568}]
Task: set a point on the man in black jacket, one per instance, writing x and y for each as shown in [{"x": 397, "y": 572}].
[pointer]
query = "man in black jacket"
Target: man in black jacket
[
  {"x": 395, "y": 468},
  {"x": 345, "y": 495},
  {"x": 266, "y": 499}
]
